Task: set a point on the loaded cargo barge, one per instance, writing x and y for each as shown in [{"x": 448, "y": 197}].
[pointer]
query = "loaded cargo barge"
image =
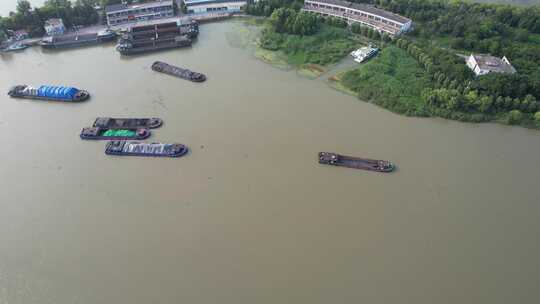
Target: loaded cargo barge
[
  {"x": 149, "y": 38},
  {"x": 114, "y": 134},
  {"x": 134, "y": 148},
  {"x": 46, "y": 92},
  {"x": 127, "y": 123},
  {"x": 335, "y": 159},
  {"x": 76, "y": 40},
  {"x": 172, "y": 70}
]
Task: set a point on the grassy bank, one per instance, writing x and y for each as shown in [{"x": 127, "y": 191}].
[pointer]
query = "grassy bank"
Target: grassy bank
[{"x": 308, "y": 53}]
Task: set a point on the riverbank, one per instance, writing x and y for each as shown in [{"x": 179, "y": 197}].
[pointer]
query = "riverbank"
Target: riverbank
[{"x": 394, "y": 80}]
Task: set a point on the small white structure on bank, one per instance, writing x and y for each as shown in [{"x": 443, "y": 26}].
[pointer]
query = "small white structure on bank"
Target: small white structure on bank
[
  {"x": 54, "y": 27},
  {"x": 484, "y": 64},
  {"x": 364, "y": 53}
]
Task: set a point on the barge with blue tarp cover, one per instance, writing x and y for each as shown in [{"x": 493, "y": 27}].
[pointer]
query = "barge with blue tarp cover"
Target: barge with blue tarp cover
[
  {"x": 128, "y": 123},
  {"x": 134, "y": 148},
  {"x": 334, "y": 159},
  {"x": 46, "y": 92},
  {"x": 114, "y": 134}
]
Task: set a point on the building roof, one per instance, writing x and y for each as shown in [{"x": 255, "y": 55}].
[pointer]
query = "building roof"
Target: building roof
[
  {"x": 121, "y": 7},
  {"x": 368, "y": 9},
  {"x": 493, "y": 64},
  {"x": 201, "y": 2}
]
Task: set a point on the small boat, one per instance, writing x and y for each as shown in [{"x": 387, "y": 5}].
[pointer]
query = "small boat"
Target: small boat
[
  {"x": 17, "y": 46},
  {"x": 335, "y": 159},
  {"x": 127, "y": 123},
  {"x": 46, "y": 92},
  {"x": 106, "y": 35},
  {"x": 134, "y": 148},
  {"x": 364, "y": 53},
  {"x": 110, "y": 134},
  {"x": 172, "y": 70}
]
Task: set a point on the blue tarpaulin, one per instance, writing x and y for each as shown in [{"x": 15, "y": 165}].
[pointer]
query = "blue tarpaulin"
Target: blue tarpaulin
[{"x": 57, "y": 92}]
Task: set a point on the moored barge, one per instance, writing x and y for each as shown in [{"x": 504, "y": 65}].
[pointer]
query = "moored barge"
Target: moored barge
[
  {"x": 134, "y": 148},
  {"x": 114, "y": 134},
  {"x": 127, "y": 123},
  {"x": 149, "y": 38},
  {"x": 45, "y": 92},
  {"x": 335, "y": 159},
  {"x": 77, "y": 40},
  {"x": 186, "y": 74}
]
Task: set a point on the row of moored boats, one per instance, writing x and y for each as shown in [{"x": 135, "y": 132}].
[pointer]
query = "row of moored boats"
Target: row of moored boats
[
  {"x": 135, "y": 40},
  {"x": 124, "y": 135}
]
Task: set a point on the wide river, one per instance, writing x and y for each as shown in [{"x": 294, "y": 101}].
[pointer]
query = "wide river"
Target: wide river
[{"x": 249, "y": 216}]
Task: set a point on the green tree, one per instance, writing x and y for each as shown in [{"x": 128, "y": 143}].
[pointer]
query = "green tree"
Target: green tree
[
  {"x": 514, "y": 117},
  {"x": 537, "y": 117}
]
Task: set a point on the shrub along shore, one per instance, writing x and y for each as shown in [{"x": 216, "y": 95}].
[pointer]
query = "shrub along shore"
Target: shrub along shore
[{"x": 423, "y": 73}]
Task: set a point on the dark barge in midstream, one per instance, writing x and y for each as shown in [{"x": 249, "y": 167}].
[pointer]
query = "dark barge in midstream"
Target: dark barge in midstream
[
  {"x": 134, "y": 148},
  {"x": 149, "y": 38},
  {"x": 172, "y": 70},
  {"x": 94, "y": 133},
  {"x": 335, "y": 159},
  {"x": 127, "y": 123},
  {"x": 45, "y": 92},
  {"x": 77, "y": 40}
]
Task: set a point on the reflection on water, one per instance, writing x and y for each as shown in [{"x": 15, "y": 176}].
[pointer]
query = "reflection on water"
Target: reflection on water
[{"x": 249, "y": 216}]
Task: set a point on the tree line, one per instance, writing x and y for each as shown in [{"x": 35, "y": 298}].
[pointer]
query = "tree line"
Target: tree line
[
  {"x": 267, "y": 7},
  {"x": 81, "y": 12},
  {"x": 290, "y": 21}
]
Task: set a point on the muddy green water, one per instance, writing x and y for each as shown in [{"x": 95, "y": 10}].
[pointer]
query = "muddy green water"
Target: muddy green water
[{"x": 249, "y": 216}]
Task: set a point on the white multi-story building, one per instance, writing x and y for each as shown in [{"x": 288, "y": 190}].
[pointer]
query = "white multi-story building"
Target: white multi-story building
[
  {"x": 54, "y": 27},
  {"x": 367, "y": 15},
  {"x": 214, "y": 6},
  {"x": 484, "y": 64},
  {"x": 123, "y": 13}
]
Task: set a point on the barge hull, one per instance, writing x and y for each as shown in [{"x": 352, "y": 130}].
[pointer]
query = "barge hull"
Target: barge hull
[
  {"x": 334, "y": 159},
  {"x": 129, "y": 148},
  {"x": 178, "y": 72},
  {"x": 127, "y": 123},
  {"x": 98, "y": 134}
]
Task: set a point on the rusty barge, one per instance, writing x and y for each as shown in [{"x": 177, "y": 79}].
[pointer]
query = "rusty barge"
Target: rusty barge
[
  {"x": 334, "y": 159},
  {"x": 172, "y": 70}
]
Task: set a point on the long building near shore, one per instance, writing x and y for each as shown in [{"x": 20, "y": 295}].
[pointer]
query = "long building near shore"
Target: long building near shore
[
  {"x": 118, "y": 14},
  {"x": 214, "y": 6},
  {"x": 364, "y": 14}
]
